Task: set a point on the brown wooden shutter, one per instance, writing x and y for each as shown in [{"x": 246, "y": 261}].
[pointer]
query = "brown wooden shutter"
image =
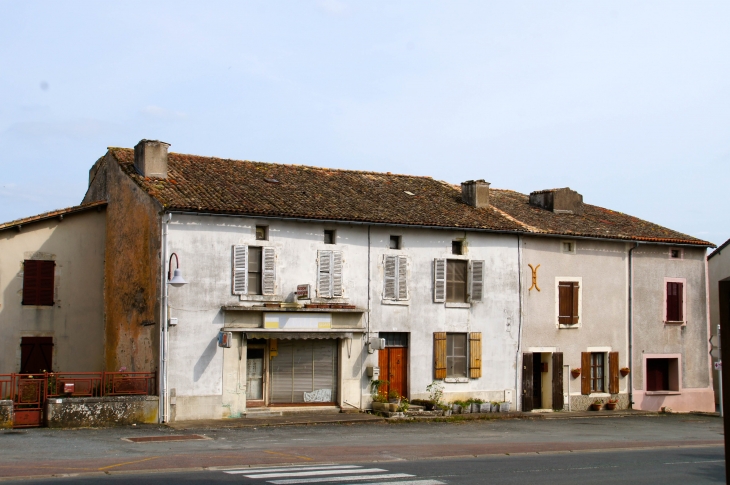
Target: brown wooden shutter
[
  {"x": 527, "y": 399},
  {"x": 565, "y": 303},
  {"x": 439, "y": 355},
  {"x": 31, "y": 278},
  {"x": 585, "y": 373},
  {"x": 475, "y": 355},
  {"x": 675, "y": 302},
  {"x": 558, "y": 400},
  {"x": 613, "y": 372},
  {"x": 680, "y": 302},
  {"x": 576, "y": 299},
  {"x": 38, "y": 282}
]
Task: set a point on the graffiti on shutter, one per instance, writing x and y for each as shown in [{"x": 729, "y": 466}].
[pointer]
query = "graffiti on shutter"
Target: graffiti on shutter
[
  {"x": 402, "y": 280},
  {"x": 439, "y": 280},
  {"x": 336, "y": 273},
  {"x": 390, "y": 270},
  {"x": 324, "y": 282},
  {"x": 476, "y": 280},
  {"x": 439, "y": 355},
  {"x": 475, "y": 355},
  {"x": 268, "y": 276},
  {"x": 240, "y": 270}
]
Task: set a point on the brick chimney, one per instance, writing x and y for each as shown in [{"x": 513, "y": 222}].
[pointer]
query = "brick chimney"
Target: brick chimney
[
  {"x": 475, "y": 193},
  {"x": 559, "y": 201},
  {"x": 150, "y": 158}
]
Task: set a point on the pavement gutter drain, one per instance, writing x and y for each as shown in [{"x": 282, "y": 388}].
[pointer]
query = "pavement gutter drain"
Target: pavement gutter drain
[{"x": 148, "y": 439}]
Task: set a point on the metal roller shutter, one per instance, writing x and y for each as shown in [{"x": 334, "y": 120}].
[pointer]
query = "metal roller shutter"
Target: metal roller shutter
[{"x": 304, "y": 367}]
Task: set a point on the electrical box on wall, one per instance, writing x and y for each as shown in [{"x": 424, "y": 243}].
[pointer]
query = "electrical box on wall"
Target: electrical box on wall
[
  {"x": 172, "y": 321},
  {"x": 374, "y": 372},
  {"x": 377, "y": 343},
  {"x": 224, "y": 339}
]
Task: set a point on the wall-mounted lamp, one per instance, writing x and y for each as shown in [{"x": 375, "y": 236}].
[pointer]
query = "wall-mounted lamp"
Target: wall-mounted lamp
[{"x": 175, "y": 279}]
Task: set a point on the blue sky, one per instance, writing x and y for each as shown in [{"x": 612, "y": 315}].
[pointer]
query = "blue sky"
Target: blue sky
[{"x": 626, "y": 102}]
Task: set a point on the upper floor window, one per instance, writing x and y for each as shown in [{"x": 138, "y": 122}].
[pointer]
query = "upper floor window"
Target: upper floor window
[
  {"x": 675, "y": 253},
  {"x": 262, "y": 233},
  {"x": 329, "y": 236},
  {"x": 674, "y": 307},
  {"x": 568, "y": 302},
  {"x": 395, "y": 286},
  {"x": 254, "y": 270},
  {"x": 395, "y": 242},
  {"x": 329, "y": 274},
  {"x": 38, "y": 279},
  {"x": 458, "y": 280},
  {"x": 568, "y": 247},
  {"x": 457, "y": 247}
]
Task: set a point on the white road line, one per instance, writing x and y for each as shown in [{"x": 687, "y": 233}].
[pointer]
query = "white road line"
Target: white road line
[
  {"x": 289, "y": 469},
  {"x": 408, "y": 482},
  {"x": 387, "y": 476},
  {"x": 314, "y": 473}
]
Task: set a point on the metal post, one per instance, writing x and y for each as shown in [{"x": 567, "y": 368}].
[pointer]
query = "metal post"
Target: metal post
[{"x": 719, "y": 371}]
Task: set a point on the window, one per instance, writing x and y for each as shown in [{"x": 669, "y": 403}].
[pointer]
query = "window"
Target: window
[
  {"x": 568, "y": 302},
  {"x": 597, "y": 371},
  {"x": 38, "y": 279},
  {"x": 662, "y": 374},
  {"x": 674, "y": 311},
  {"x": 329, "y": 236},
  {"x": 568, "y": 247},
  {"x": 457, "y": 247},
  {"x": 262, "y": 233},
  {"x": 675, "y": 253},
  {"x": 395, "y": 286},
  {"x": 254, "y": 270},
  {"x": 329, "y": 267},
  {"x": 455, "y": 355},
  {"x": 395, "y": 242},
  {"x": 458, "y": 281}
]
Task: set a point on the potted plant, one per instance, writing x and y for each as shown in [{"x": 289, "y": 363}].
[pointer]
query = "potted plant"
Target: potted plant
[
  {"x": 394, "y": 400},
  {"x": 624, "y": 371},
  {"x": 456, "y": 407},
  {"x": 575, "y": 372},
  {"x": 465, "y": 407},
  {"x": 380, "y": 403},
  {"x": 445, "y": 409},
  {"x": 485, "y": 407},
  {"x": 435, "y": 392},
  {"x": 596, "y": 406},
  {"x": 403, "y": 406},
  {"x": 474, "y": 404},
  {"x": 495, "y": 406},
  {"x": 611, "y": 404},
  {"x": 504, "y": 407}
]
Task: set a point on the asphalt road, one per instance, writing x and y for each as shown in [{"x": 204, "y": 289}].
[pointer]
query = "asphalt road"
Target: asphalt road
[
  {"x": 683, "y": 449},
  {"x": 679, "y": 466}
]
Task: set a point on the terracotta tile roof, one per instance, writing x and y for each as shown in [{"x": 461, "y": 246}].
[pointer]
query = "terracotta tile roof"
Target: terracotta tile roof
[
  {"x": 214, "y": 185},
  {"x": 52, "y": 214}
]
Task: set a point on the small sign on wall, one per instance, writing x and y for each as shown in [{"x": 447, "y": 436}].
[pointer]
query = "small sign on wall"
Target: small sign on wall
[
  {"x": 303, "y": 292},
  {"x": 224, "y": 339},
  {"x": 69, "y": 387},
  {"x": 718, "y": 365}
]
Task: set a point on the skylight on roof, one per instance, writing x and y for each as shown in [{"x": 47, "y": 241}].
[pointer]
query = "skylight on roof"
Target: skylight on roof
[{"x": 409, "y": 193}]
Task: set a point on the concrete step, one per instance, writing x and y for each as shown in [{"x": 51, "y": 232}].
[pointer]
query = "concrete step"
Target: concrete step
[{"x": 261, "y": 413}]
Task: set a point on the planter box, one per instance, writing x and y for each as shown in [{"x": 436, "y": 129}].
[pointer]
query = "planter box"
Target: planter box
[
  {"x": 485, "y": 407},
  {"x": 447, "y": 412},
  {"x": 393, "y": 407},
  {"x": 504, "y": 407},
  {"x": 466, "y": 409},
  {"x": 475, "y": 408},
  {"x": 382, "y": 407},
  {"x": 456, "y": 409}
]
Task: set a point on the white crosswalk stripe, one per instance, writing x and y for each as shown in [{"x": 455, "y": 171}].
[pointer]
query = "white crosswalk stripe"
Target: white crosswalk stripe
[{"x": 329, "y": 473}]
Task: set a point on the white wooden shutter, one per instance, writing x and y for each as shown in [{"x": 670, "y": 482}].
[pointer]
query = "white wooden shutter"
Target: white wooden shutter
[
  {"x": 336, "y": 273},
  {"x": 476, "y": 280},
  {"x": 390, "y": 270},
  {"x": 402, "y": 280},
  {"x": 268, "y": 273},
  {"x": 324, "y": 280},
  {"x": 240, "y": 270},
  {"x": 439, "y": 280}
]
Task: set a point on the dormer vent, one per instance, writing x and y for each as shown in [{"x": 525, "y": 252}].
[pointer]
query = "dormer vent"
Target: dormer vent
[
  {"x": 559, "y": 201},
  {"x": 475, "y": 193},
  {"x": 150, "y": 158}
]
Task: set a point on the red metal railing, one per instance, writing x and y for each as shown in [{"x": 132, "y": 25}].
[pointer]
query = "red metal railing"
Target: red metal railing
[
  {"x": 6, "y": 382},
  {"x": 77, "y": 384}
]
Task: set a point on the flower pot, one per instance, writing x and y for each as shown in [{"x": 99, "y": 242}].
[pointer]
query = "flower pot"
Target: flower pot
[
  {"x": 624, "y": 371},
  {"x": 466, "y": 409},
  {"x": 596, "y": 407},
  {"x": 381, "y": 406},
  {"x": 575, "y": 373},
  {"x": 475, "y": 407},
  {"x": 485, "y": 407},
  {"x": 393, "y": 407},
  {"x": 611, "y": 406},
  {"x": 504, "y": 407},
  {"x": 456, "y": 408}
]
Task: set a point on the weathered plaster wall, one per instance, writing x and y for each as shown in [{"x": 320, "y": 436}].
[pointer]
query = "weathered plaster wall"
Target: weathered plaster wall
[
  {"x": 652, "y": 336},
  {"x": 603, "y": 269},
  {"x": 6, "y": 413},
  {"x": 132, "y": 273},
  {"x": 496, "y": 317},
  {"x": 76, "y": 320},
  {"x": 96, "y": 412}
]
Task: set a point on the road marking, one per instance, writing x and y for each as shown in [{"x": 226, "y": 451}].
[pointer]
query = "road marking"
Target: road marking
[
  {"x": 686, "y": 462},
  {"x": 313, "y": 473},
  {"x": 386, "y": 476},
  {"x": 291, "y": 469},
  {"x": 128, "y": 463},
  {"x": 407, "y": 482}
]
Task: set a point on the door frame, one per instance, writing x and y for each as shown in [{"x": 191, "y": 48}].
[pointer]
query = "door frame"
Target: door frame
[{"x": 264, "y": 401}]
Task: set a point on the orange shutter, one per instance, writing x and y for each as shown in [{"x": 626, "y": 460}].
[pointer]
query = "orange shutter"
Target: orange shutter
[
  {"x": 439, "y": 355},
  {"x": 585, "y": 373},
  {"x": 613, "y": 372},
  {"x": 475, "y": 355}
]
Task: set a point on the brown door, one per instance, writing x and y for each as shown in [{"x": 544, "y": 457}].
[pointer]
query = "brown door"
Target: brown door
[
  {"x": 36, "y": 355},
  {"x": 393, "y": 362},
  {"x": 528, "y": 402},
  {"x": 558, "y": 381}
]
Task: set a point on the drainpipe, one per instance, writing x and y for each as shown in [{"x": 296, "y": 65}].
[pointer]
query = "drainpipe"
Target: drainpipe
[
  {"x": 518, "y": 360},
  {"x": 631, "y": 326},
  {"x": 164, "y": 408}
]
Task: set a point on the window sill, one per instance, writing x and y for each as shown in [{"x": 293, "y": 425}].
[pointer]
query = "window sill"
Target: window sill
[
  {"x": 662, "y": 393},
  {"x": 458, "y": 380},
  {"x": 457, "y": 305},
  {"x": 599, "y": 394},
  {"x": 569, "y": 325},
  {"x": 395, "y": 302},
  {"x": 667, "y": 322},
  {"x": 271, "y": 298}
]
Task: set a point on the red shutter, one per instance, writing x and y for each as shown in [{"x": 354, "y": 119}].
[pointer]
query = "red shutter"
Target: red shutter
[
  {"x": 674, "y": 302},
  {"x": 576, "y": 289},
  {"x": 680, "y": 302},
  {"x": 585, "y": 373},
  {"x": 38, "y": 279}
]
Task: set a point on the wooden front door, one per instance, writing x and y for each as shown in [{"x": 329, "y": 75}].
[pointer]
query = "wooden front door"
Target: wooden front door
[{"x": 393, "y": 362}]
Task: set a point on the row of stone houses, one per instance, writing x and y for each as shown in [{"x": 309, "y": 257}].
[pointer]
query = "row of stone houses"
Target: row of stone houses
[{"x": 303, "y": 282}]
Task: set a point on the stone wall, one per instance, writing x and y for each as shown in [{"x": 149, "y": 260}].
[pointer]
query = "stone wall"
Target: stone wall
[
  {"x": 92, "y": 412},
  {"x": 6, "y": 413}
]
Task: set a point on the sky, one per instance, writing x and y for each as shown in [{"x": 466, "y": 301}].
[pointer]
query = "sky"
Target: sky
[{"x": 627, "y": 103}]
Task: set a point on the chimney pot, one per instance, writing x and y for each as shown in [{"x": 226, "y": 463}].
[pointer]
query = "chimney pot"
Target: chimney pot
[
  {"x": 475, "y": 193},
  {"x": 150, "y": 158}
]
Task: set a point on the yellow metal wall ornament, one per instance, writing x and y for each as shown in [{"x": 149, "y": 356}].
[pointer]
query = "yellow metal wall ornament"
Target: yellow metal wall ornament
[{"x": 534, "y": 277}]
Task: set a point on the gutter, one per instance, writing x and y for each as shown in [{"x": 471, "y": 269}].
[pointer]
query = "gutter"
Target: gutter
[
  {"x": 631, "y": 327},
  {"x": 164, "y": 409}
]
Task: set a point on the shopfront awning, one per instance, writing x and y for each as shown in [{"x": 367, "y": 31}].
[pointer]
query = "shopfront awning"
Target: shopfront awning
[{"x": 267, "y": 333}]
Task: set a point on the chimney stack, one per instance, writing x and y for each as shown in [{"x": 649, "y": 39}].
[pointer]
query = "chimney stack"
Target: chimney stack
[
  {"x": 559, "y": 201},
  {"x": 475, "y": 193},
  {"x": 150, "y": 158}
]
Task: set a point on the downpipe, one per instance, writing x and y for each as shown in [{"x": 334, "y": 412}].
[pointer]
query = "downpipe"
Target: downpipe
[
  {"x": 631, "y": 326},
  {"x": 164, "y": 408}
]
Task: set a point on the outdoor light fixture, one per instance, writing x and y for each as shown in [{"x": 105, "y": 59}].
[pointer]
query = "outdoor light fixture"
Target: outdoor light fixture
[{"x": 175, "y": 279}]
